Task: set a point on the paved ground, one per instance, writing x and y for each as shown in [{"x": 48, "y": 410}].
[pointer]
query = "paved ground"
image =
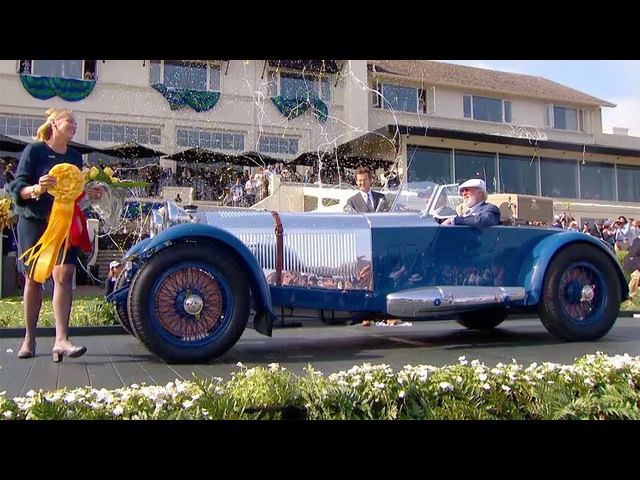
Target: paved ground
[{"x": 115, "y": 359}]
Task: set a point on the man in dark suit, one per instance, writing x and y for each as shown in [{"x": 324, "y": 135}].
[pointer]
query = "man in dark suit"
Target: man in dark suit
[
  {"x": 366, "y": 200},
  {"x": 477, "y": 213}
]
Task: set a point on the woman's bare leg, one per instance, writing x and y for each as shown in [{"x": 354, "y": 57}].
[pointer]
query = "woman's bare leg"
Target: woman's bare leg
[
  {"x": 32, "y": 304},
  {"x": 62, "y": 298}
]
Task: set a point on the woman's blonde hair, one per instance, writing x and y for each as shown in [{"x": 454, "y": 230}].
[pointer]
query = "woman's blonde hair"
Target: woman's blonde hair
[{"x": 45, "y": 131}]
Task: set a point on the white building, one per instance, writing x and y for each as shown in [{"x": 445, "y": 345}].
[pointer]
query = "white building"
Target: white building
[{"x": 523, "y": 134}]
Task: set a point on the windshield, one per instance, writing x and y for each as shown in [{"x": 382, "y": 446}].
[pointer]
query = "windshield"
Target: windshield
[
  {"x": 412, "y": 197},
  {"x": 426, "y": 197},
  {"x": 446, "y": 201}
]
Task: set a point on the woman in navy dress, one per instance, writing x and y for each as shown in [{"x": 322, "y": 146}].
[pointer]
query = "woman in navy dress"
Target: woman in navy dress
[{"x": 33, "y": 205}]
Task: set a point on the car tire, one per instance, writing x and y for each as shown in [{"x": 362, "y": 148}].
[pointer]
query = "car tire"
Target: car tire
[
  {"x": 575, "y": 274},
  {"x": 189, "y": 303},
  {"x": 484, "y": 319},
  {"x": 120, "y": 308}
]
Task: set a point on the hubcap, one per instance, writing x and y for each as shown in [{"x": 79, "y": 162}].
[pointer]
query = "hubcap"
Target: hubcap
[
  {"x": 581, "y": 293},
  {"x": 193, "y": 304},
  {"x": 588, "y": 292}
]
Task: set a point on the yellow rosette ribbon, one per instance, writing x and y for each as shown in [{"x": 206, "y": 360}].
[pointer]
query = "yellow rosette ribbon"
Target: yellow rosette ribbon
[{"x": 43, "y": 255}]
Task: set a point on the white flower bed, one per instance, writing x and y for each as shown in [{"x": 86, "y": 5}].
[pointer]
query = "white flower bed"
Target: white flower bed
[{"x": 596, "y": 386}]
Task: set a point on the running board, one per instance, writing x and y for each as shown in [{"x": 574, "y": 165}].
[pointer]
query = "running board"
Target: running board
[{"x": 419, "y": 302}]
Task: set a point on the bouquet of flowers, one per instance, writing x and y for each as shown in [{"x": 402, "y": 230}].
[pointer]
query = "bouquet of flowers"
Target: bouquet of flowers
[
  {"x": 110, "y": 206},
  {"x": 105, "y": 175},
  {"x": 7, "y": 215}
]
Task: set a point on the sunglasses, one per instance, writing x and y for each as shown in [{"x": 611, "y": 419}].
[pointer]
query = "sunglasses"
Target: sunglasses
[{"x": 466, "y": 190}]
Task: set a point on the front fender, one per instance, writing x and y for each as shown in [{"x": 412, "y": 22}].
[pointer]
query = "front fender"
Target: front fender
[
  {"x": 136, "y": 248},
  {"x": 265, "y": 316},
  {"x": 533, "y": 271}
]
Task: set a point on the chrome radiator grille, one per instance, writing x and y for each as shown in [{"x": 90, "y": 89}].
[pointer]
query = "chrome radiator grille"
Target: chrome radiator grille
[
  {"x": 313, "y": 253},
  {"x": 320, "y": 251}
]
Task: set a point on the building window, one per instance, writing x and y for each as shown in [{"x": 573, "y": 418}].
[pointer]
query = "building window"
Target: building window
[
  {"x": 562, "y": 118},
  {"x": 78, "y": 69},
  {"x": 287, "y": 146},
  {"x": 558, "y": 178},
  {"x": 476, "y": 165},
  {"x": 395, "y": 97},
  {"x": 429, "y": 165},
  {"x": 212, "y": 140},
  {"x": 487, "y": 109},
  {"x": 20, "y": 126},
  {"x": 111, "y": 132},
  {"x": 200, "y": 76},
  {"x": 297, "y": 85},
  {"x": 405, "y": 99},
  {"x": 519, "y": 174},
  {"x": 597, "y": 181},
  {"x": 628, "y": 183}
]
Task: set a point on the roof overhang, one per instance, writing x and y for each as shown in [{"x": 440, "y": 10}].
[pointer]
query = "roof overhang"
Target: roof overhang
[
  {"x": 376, "y": 149},
  {"x": 376, "y": 145},
  {"x": 507, "y": 140},
  {"x": 329, "y": 66}
]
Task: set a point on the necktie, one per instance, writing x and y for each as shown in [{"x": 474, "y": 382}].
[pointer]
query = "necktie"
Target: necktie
[
  {"x": 369, "y": 203},
  {"x": 467, "y": 213}
]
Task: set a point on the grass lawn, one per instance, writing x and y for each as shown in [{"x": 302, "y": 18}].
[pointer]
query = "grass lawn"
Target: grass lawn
[{"x": 89, "y": 310}]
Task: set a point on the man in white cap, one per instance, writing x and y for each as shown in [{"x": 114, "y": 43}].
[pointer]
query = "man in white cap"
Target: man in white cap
[
  {"x": 114, "y": 269},
  {"x": 478, "y": 213}
]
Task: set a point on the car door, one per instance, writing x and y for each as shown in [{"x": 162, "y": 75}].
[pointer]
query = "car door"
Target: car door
[{"x": 463, "y": 255}]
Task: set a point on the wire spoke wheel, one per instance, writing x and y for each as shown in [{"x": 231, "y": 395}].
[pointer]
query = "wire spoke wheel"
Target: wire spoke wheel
[
  {"x": 581, "y": 291},
  {"x": 581, "y": 294},
  {"x": 190, "y": 303}
]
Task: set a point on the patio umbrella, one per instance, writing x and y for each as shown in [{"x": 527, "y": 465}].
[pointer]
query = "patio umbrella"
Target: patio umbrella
[
  {"x": 357, "y": 161},
  {"x": 10, "y": 144},
  {"x": 132, "y": 150},
  {"x": 199, "y": 155},
  {"x": 254, "y": 159},
  {"x": 308, "y": 159},
  {"x": 82, "y": 148}
]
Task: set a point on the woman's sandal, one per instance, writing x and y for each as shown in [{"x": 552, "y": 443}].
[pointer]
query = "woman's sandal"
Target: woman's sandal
[
  {"x": 73, "y": 352},
  {"x": 23, "y": 353}
]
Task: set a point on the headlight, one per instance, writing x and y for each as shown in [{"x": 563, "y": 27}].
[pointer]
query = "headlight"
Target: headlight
[
  {"x": 175, "y": 214},
  {"x": 156, "y": 223},
  {"x": 170, "y": 214}
]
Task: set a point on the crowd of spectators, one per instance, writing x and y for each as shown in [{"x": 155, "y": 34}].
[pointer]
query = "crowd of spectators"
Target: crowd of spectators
[
  {"x": 619, "y": 233},
  {"x": 227, "y": 184}
]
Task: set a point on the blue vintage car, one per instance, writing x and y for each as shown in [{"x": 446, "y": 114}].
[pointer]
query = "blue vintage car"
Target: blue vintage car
[{"x": 189, "y": 290}]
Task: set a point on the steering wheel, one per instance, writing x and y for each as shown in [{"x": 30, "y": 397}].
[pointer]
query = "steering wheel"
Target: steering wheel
[{"x": 442, "y": 213}]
